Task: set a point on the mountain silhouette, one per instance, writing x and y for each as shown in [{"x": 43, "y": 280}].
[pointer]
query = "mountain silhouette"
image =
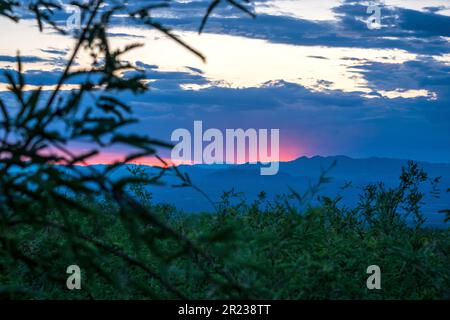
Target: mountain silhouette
[{"x": 298, "y": 174}]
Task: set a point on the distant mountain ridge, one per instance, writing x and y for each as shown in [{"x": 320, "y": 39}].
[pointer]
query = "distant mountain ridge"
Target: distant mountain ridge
[{"x": 296, "y": 174}]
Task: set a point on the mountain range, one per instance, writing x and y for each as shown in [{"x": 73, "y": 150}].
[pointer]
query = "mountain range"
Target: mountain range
[{"x": 296, "y": 175}]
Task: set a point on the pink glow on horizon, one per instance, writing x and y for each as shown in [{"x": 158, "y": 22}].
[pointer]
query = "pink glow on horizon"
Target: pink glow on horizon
[
  {"x": 288, "y": 151},
  {"x": 113, "y": 157}
]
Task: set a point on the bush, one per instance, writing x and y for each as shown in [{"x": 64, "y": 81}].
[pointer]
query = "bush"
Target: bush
[{"x": 269, "y": 248}]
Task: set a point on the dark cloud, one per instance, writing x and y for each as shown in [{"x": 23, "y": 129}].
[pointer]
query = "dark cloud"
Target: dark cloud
[
  {"x": 318, "y": 57},
  {"x": 123, "y": 35},
  {"x": 44, "y": 78},
  {"x": 424, "y": 73},
  {"x": 54, "y": 51},
  {"x": 327, "y": 121},
  {"x": 13, "y": 59},
  {"x": 324, "y": 122},
  {"x": 411, "y": 30}
]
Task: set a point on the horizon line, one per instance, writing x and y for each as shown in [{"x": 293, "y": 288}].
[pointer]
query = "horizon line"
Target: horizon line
[{"x": 167, "y": 163}]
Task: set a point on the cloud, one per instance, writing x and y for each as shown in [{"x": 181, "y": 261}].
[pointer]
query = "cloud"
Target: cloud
[
  {"x": 393, "y": 120},
  {"x": 30, "y": 59},
  {"x": 54, "y": 51},
  {"x": 411, "y": 30},
  {"x": 41, "y": 77},
  {"x": 313, "y": 122},
  {"x": 424, "y": 73}
]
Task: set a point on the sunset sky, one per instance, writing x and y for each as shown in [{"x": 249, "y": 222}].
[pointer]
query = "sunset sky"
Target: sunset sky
[{"x": 311, "y": 68}]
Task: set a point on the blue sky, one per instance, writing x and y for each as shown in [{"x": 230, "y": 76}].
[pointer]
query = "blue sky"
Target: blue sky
[{"x": 313, "y": 69}]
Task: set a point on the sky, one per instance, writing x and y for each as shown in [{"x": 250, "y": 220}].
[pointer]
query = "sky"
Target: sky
[{"x": 311, "y": 68}]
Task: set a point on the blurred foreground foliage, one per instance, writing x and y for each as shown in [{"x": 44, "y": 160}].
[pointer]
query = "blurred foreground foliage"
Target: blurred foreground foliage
[
  {"x": 271, "y": 249},
  {"x": 40, "y": 126}
]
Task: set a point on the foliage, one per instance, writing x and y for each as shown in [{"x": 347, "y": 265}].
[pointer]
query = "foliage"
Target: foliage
[
  {"x": 271, "y": 249},
  {"x": 446, "y": 211},
  {"x": 37, "y": 130}
]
